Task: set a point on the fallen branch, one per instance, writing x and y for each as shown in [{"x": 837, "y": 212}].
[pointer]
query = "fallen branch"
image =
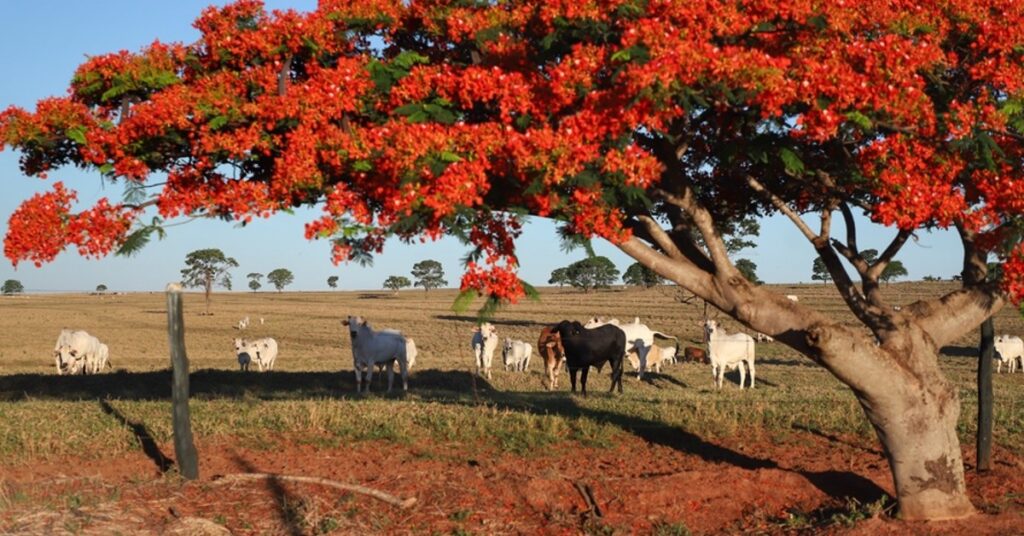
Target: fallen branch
[
  {"x": 588, "y": 497},
  {"x": 376, "y": 494}
]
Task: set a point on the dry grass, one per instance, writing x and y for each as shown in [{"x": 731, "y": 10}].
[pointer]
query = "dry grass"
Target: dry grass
[{"x": 311, "y": 393}]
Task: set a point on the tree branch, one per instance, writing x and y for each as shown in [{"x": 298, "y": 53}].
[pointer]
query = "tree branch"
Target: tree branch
[{"x": 785, "y": 209}]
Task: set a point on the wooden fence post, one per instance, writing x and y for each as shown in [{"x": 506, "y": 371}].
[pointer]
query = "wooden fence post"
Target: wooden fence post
[
  {"x": 986, "y": 353},
  {"x": 184, "y": 446}
]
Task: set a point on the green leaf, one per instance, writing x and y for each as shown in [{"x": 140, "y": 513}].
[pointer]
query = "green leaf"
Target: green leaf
[
  {"x": 409, "y": 109},
  {"x": 794, "y": 166},
  {"x": 859, "y": 119},
  {"x": 362, "y": 165},
  {"x": 76, "y": 134},
  {"x": 408, "y": 58},
  {"x": 218, "y": 122},
  {"x": 463, "y": 300},
  {"x": 448, "y": 156},
  {"x": 418, "y": 117},
  {"x": 107, "y": 169},
  {"x": 819, "y": 22}
]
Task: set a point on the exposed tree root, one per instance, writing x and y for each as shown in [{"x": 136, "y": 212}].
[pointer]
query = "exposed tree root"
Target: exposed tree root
[{"x": 376, "y": 494}]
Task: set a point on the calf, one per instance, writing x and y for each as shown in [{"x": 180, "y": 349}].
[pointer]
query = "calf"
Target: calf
[
  {"x": 485, "y": 342},
  {"x": 697, "y": 355},
  {"x": 585, "y": 348},
  {"x": 516, "y": 355},
  {"x": 655, "y": 356},
  {"x": 549, "y": 346}
]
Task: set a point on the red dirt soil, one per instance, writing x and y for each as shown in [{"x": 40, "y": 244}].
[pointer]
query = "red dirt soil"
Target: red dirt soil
[{"x": 798, "y": 484}]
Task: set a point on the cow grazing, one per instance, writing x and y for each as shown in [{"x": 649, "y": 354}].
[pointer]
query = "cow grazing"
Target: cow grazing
[
  {"x": 485, "y": 342},
  {"x": 793, "y": 297},
  {"x": 549, "y": 346},
  {"x": 242, "y": 324},
  {"x": 761, "y": 337},
  {"x": 102, "y": 359},
  {"x": 516, "y": 355},
  {"x": 697, "y": 355},
  {"x": 636, "y": 333},
  {"x": 729, "y": 351},
  {"x": 78, "y": 352},
  {"x": 585, "y": 348},
  {"x": 1009, "y": 350},
  {"x": 370, "y": 347}
]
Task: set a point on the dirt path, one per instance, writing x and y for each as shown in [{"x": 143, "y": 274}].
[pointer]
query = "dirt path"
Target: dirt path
[{"x": 763, "y": 485}]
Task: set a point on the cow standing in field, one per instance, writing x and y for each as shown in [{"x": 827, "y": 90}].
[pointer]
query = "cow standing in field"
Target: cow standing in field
[
  {"x": 263, "y": 352},
  {"x": 638, "y": 337},
  {"x": 370, "y": 347},
  {"x": 1009, "y": 349},
  {"x": 549, "y": 346},
  {"x": 515, "y": 355},
  {"x": 727, "y": 351},
  {"x": 485, "y": 342},
  {"x": 585, "y": 348}
]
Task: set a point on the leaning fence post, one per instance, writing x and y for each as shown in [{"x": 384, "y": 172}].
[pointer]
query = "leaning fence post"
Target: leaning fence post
[{"x": 184, "y": 446}]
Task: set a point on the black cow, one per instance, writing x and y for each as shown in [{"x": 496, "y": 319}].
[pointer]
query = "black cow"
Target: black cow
[{"x": 585, "y": 348}]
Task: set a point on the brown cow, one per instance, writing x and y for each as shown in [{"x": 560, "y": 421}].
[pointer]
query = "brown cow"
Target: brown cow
[
  {"x": 697, "y": 355},
  {"x": 549, "y": 345}
]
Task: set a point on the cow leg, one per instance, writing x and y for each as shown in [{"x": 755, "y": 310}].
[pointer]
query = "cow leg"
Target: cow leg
[
  {"x": 369, "y": 377},
  {"x": 391, "y": 376},
  {"x": 572, "y": 378},
  {"x": 583, "y": 380},
  {"x": 743, "y": 372},
  {"x": 403, "y": 369},
  {"x": 359, "y": 377},
  {"x": 751, "y": 364}
]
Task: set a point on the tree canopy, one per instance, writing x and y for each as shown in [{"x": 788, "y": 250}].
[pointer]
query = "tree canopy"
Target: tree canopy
[
  {"x": 658, "y": 126},
  {"x": 12, "y": 286},
  {"x": 397, "y": 282},
  {"x": 280, "y": 278},
  {"x": 332, "y": 281},
  {"x": 205, "y": 268},
  {"x": 428, "y": 274},
  {"x": 591, "y": 273},
  {"x": 639, "y": 275}
]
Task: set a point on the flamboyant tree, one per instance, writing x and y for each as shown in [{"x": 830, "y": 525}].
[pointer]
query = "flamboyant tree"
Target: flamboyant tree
[{"x": 653, "y": 124}]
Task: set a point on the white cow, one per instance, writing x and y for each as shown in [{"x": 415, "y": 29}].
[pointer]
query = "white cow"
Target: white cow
[
  {"x": 793, "y": 297},
  {"x": 1009, "y": 349},
  {"x": 761, "y": 337},
  {"x": 410, "y": 352},
  {"x": 263, "y": 352},
  {"x": 728, "y": 351},
  {"x": 101, "y": 360},
  {"x": 655, "y": 357},
  {"x": 516, "y": 355},
  {"x": 636, "y": 334},
  {"x": 370, "y": 347},
  {"x": 485, "y": 342},
  {"x": 77, "y": 352}
]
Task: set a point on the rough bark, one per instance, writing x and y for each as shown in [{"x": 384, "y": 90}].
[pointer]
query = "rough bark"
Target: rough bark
[{"x": 910, "y": 404}]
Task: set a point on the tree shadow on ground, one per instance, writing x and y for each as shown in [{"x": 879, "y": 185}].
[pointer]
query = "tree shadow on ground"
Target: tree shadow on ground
[
  {"x": 448, "y": 387},
  {"x": 286, "y": 503}
]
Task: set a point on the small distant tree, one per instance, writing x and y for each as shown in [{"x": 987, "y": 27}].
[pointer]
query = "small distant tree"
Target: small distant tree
[
  {"x": 893, "y": 271},
  {"x": 281, "y": 278},
  {"x": 396, "y": 283},
  {"x": 254, "y": 280},
  {"x": 12, "y": 286},
  {"x": 559, "y": 276},
  {"x": 639, "y": 275},
  {"x": 931, "y": 278},
  {"x": 749, "y": 270},
  {"x": 332, "y": 281},
  {"x": 101, "y": 288},
  {"x": 205, "y": 268},
  {"x": 428, "y": 274},
  {"x": 819, "y": 272},
  {"x": 591, "y": 273}
]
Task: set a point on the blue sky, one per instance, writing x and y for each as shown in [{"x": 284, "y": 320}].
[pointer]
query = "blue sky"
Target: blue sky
[{"x": 45, "y": 41}]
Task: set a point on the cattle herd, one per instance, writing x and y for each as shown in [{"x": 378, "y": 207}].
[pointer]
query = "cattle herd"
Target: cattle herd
[{"x": 572, "y": 344}]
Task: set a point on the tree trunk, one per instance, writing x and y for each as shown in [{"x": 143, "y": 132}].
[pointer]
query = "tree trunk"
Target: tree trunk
[{"x": 915, "y": 417}]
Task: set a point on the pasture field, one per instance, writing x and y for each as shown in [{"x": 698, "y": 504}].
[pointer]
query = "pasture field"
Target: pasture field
[{"x": 670, "y": 456}]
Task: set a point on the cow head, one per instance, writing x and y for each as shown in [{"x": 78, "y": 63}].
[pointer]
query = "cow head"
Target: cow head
[
  {"x": 710, "y": 326},
  {"x": 239, "y": 344},
  {"x": 567, "y": 328},
  {"x": 68, "y": 359},
  {"x": 354, "y": 323}
]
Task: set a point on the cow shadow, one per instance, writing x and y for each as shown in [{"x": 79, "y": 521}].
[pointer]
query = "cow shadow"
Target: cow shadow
[{"x": 959, "y": 351}]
